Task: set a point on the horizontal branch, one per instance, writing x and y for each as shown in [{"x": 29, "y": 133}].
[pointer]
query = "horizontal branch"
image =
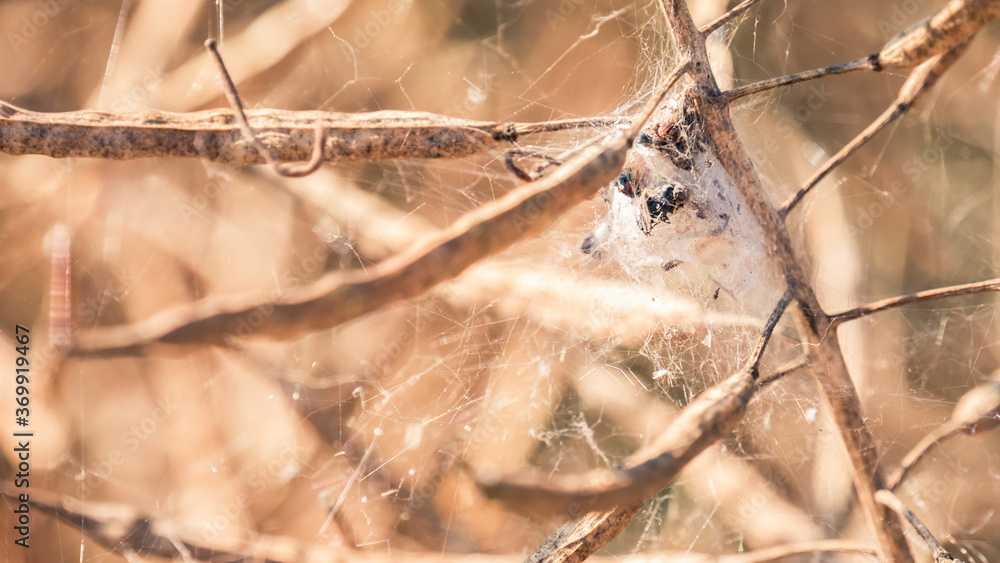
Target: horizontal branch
[
  {"x": 918, "y": 297},
  {"x": 288, "y": 135}
]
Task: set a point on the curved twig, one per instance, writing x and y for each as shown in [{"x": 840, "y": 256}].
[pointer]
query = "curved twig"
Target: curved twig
[{"x": 281, "y": 168}]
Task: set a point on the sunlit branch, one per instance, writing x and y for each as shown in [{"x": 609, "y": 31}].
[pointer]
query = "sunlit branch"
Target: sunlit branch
[
  {"x": 919, "y": 82},
  {"x": 288, "y": 135},
  {"x": 918, "y": 297}
]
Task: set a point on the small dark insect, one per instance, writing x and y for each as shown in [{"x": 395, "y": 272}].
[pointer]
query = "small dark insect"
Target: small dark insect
[
  {"x": 716, "y": 296},
  {"x": 677, "y": 137},
  {"x": 626, "y": 184},
  {"x": 665, "y": 201},
  {"x": 589, "y": 243}
]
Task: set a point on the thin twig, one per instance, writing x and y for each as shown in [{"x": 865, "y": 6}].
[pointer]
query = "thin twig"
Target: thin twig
[
  {"x": 340, "y": 297},
  {"x": 918, "y": 297},
  {"x": 281, "y": 168},
  {"x": 713, "y": 415},
  {"x": 917, "y": 84},
  {"x": 729, "y": 16},
  {"x": 866, "y": 63},
  {"x": 783, "y": 371},
  {"x": 887, "y": 498},
  {"x": 522, "y": 174}
]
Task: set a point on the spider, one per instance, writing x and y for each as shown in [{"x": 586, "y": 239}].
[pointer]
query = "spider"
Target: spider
[{"x": 660, "y": 201}]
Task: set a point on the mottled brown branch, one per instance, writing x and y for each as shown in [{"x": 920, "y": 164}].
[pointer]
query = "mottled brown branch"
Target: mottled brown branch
[
  {"x": 729, "y": 16},
  {"x": 340, "y": 297},
  {"x": 921, "y": 80},
  {"x": 918, "y": 297},
  {"x": 887, "y": 498},
  {"x": 712, "y": 416},
  {"x": 287, "y": 135}
]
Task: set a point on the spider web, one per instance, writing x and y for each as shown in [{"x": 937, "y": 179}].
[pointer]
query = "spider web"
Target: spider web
[{"x": 370, "y": 434}]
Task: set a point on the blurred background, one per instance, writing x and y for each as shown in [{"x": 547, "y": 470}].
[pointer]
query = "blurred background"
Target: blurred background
[{"x": 354, "y": 438}]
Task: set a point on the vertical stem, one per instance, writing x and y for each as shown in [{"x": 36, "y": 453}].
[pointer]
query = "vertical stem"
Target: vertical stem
[{"x": 835, "y": 380}]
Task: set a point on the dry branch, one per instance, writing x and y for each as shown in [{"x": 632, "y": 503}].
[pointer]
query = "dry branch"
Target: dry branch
[
  {"x": 729, "y": 16},
  {"x": 712, "y": 416},
  {"x": 918, "y": 297},
  {"x": 945, "y": 29},
  {"x": 834, "y": 378},
  {"x": 917, "y": 84},
  {"x": 341, "y": 297},
  {"x": 288, "y": 135},
  {"x": 865, "y": 63},
  {"x": 892, "y": 501},
  {"x": 948, "y": 29}
]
